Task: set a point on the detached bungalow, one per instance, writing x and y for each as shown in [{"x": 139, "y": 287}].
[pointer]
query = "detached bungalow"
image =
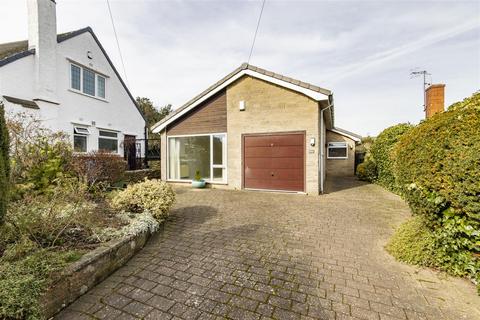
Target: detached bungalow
[{"x": 255, "y": 129}]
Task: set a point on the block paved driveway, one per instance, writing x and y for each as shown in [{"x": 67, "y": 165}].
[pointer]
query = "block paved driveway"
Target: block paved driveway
[{"x": 255, "y": 255}]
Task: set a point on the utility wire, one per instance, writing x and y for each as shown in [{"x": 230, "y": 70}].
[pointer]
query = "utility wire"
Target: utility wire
[
  {"x": 256, "y": 31},
  {"x": 118, "y": 43}
]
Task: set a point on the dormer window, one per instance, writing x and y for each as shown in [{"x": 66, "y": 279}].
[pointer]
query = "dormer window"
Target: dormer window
[{"x": 87, "y": 81}]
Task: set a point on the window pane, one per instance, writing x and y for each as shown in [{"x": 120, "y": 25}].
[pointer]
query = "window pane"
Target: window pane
[
  {"x": 75, "y": 74},
  {"x": 88, "y": 82},
  {"x": 217, "y": 149},
  {"x": 79, "y": 143},
  {"x": 107, "y": 134},
  {"x": 337, "y": 152},
  {"x": 188, "y": 155},
  {"x": 101, "y": 86},
  {"x": 109, "y": 145},
  {"x": 218, "y": 174}
]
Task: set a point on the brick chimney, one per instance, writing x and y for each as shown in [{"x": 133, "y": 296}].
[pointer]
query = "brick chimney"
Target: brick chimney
[
  {"x": 42, "y": 36},
  {"x": 434, "y": 99}
]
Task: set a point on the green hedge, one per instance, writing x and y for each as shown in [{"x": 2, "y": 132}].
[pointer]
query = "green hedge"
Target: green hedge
[
  {"x": 381, "y": 152},
  {"x": 437, "y": 171},
  {"x": 4, "y": 164}
]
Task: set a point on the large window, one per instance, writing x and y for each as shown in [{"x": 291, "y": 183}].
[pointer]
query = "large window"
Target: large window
[
  {"x": 337, "y": 150},
  {"x": 108, "y": 141},
  {"x": 203, "y": 153},
  {"x": 80, "y": 137},
  {"x": 87, "y": 81}
]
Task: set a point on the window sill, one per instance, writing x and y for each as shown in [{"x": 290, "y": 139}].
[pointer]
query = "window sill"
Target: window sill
[
  {"x": 87, "y": 95},
  {"x": 329, "y": 158},
  {"x": 190, "y": 181}
]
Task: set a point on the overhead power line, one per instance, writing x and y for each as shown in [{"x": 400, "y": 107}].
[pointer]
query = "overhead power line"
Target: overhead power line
[
  {"x": 118, "y": 43},
  {"x": 256, "y": 31}
]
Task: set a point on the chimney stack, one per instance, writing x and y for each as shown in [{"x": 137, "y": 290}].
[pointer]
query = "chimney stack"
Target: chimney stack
[
  {"x": 42, "y": 36},
  {"x": 434, "y": 99}
]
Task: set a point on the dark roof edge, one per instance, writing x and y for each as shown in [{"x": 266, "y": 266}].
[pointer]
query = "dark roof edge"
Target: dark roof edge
[{"x": 16, "y": 56}]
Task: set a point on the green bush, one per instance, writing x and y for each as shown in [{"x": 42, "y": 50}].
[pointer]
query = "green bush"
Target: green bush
[
  {"x": 154, "y": 196},
  {"x": 413, "y": 243},
  {"x": 38, "y": 156},
  {"x": 367, "y": 170},
  {"x": 23, "y": 281},
  {"x": 98, "y": 167},
  {"x": 381, "y": 151},
  {"x": 438, "y": 173},
  {"x": 4, "y": 164}
]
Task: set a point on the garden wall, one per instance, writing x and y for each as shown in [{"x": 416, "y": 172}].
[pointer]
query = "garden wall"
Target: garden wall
[{"x": 90, "y": 270}]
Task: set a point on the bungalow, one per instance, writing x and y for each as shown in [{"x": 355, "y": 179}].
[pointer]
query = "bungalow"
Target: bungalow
[
  {"x": 255, "y": 129},
  {"x": 68, "y": 82}
]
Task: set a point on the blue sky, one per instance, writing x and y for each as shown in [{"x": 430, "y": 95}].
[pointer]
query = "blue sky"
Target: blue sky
[{"x": 363, "y": 51}]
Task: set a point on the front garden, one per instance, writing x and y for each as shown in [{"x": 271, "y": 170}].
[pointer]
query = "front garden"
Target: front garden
[
  {"x": 56, "y": 206},
  {"x": 435, "y": 167}
]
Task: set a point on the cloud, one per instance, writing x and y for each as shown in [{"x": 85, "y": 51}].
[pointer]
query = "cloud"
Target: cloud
[
  {"x": 362, "y": 50},
  {"x": 381, "y": 58}
]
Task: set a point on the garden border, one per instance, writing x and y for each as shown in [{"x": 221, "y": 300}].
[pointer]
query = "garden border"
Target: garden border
[{"x": 91, "y": 269}]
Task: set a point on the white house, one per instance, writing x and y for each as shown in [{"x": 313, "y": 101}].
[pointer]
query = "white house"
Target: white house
[{"x": 68, "y": 82}]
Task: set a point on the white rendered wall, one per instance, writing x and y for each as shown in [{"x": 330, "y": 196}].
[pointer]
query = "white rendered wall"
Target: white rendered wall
[{"x": 117, "y": 112}]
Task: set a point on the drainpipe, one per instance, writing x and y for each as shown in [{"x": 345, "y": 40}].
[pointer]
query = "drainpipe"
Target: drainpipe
[{"x": 322, "y": 142}]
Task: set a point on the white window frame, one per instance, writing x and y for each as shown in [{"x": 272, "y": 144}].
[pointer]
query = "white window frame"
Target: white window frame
[
  {"x": 104, "y": 87},
  {"x": 76, "y": 132},
  {"x": 212, "y": 166},
  {"x": 96, "y": 76},
  {"x": 337, "y": 145},
  {"x": 117, "y": 138}
]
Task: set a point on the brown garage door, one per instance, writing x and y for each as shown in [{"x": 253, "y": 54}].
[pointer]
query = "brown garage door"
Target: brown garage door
[{"x": 274, "y": 161}]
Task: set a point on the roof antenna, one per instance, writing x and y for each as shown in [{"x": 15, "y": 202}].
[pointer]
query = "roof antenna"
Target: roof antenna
[
  {"x": 424, "y": 73},
  {"x": 256, "y": 31}
]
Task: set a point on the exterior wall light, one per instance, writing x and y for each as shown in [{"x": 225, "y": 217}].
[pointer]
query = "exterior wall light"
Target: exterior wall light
[
  {"x": 312, "y": 142},
  {"x": 241, "y": 105}
]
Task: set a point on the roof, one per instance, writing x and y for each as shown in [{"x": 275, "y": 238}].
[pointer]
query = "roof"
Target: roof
[
  {"x": 12, "y": 51},
  {"x": 24, "y": 103},
  {"x": 355, "y": 137},
  {"x": 313, "y": 91}
]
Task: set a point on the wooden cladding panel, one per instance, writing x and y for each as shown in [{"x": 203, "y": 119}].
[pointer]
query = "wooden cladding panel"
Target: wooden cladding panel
[{"x": 209, "y": 117}]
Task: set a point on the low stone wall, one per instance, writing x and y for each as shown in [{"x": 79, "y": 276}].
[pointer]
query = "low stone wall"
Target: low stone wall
[{"x": 91, "y": 269}]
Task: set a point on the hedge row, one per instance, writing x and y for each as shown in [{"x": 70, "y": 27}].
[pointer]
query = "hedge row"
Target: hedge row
[
  {"x": 437, "y": 170},
  {"x": 435, "y": 166}
]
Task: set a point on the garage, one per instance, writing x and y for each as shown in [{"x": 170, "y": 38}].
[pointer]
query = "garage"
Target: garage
[{"x": 274, "y": 161}]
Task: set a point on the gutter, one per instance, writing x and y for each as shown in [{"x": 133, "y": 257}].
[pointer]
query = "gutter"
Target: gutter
[{"x": 322, "y": 141}]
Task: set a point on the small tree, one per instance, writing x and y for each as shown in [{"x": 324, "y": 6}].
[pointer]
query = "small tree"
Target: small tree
[
  {"x": 4, "y": 164},
  {"x": 152, "y": 114}
]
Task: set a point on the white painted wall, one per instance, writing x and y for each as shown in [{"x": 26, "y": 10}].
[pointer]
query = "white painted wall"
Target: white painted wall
[{"x": 117, "y": 112}]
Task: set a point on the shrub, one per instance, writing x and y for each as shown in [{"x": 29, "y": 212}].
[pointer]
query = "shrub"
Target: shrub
[
  {"x": 23, "y": 281},
  {"x": 438, "y": 173},
  {"x": 38, "y": 155},
  {"x": 414, "y": 243},
  {"x": 154, "y": 196},
  {"x": 64, "y": 218},
  {"x": 4, "y": 164},
  {"x": 98, "y": 167},
  {"x": 367, "y": 171},
  {"x": 382, "y": 153}
]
